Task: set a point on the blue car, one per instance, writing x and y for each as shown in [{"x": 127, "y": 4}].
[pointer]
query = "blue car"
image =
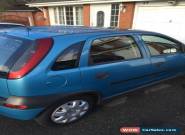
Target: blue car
[
  {"x": 8, "y": 26},
  {"x": 57, "y": 75}
]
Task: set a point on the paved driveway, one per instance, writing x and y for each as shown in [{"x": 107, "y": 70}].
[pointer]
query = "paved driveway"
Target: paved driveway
[{"x": 160, "y": 105}]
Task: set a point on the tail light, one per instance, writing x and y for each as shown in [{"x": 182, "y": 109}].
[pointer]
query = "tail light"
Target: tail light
[
  {"x": 20, "y": 107},
  {"x": 31, "y": 58}
]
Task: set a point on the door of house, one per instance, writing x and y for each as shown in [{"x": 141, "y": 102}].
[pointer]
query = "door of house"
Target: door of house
[
  {"x": 100, "y": 19},
  {"x": 100, "y": 15}
]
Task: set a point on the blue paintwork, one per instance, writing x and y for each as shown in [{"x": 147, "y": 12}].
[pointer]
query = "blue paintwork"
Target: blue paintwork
[
  {"x": 4, "y": 88},
  {"x": 20, "y": 114},
  {"x": 83, "y": 79}
]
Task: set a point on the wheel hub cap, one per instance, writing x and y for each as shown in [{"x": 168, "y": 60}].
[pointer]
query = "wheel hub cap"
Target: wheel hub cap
[{"x": 70, "y": 111}]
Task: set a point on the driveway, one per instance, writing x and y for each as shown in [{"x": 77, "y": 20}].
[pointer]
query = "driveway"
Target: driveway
[{"x": 162, "y": 105}]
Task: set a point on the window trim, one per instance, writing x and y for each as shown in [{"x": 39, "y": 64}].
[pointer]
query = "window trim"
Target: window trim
[
  {"x": 113, "y": 15},
  {"x": 79, "y": 21},
  {"x": 61, "y": 15},
  {"x": 56, "y": 15},
  {"x": 55, "y": 12},
  {"x": 77, "y": 64},
  {"x": 164, "y": 37},
  {"x": 71, "y": 16},
  {"x": 117, "y": 61}
]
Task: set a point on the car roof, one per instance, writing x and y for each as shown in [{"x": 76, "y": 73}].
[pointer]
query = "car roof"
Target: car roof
[
  {"x": 51, "y": 31},
  {"x": 4, "y": 23},
  {"x": 66, "y": 30}
]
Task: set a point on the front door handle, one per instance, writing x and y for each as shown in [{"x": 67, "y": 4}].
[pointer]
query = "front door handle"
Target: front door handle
[
  {"x": 102, "y": 75},
  {"x": 158, "y": 64}
]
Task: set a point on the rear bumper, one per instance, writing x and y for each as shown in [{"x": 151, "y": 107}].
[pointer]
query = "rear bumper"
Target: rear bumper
[
  {"x": 27, "y": 114},
  {"x": 35, "y": 106}
]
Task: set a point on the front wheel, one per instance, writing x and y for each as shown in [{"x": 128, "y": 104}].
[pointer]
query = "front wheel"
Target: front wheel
[{"x": 66, "y": 111}]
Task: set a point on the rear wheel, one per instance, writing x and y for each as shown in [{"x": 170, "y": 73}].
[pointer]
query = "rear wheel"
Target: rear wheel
[{"x": 66, "y": 111}]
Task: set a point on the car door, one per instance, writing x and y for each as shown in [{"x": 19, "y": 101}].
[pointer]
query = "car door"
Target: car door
[
  {"x": 114, "y": 64},
  {"x": 165, "y": 54},
  {"x": 65, "y": 75}
]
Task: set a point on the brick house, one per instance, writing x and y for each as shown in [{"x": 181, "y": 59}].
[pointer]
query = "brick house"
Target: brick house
[
  {"x": 165, "y": 16},
  {"x": 20, "y": 13},
  {"x": 100, "y": 13}
]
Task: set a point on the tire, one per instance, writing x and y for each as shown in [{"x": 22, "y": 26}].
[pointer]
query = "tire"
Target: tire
[{"x": 49, "y": 116}]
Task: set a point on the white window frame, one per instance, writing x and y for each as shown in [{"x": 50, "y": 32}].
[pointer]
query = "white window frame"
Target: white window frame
[
  {"x": 114, "y": 15},
  {"x": 62, "y": 15},
  {"x": 57, "y": 18},
  {"x": 55, "y": 11},
  {"x": 74, "y": 15},
  {"x": 65, "y": 16},
  {"x": 80, "y": 18},
  {"x": 70, "y": 18}
]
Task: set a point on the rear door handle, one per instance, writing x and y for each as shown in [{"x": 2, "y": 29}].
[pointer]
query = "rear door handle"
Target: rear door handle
[
  {"x": 158, "y": 64},
  {"x": 102, "y": 75}
]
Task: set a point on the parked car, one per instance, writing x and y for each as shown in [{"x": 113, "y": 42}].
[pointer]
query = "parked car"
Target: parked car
[
  {"x": 57, "y": 75},
  {"x": 5, "y": 26}
]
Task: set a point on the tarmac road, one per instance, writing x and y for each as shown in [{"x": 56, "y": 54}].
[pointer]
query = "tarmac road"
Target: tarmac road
[{"x": 162, "y": 105}]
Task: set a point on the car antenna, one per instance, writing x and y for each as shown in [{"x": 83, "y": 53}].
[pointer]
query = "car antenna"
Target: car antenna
[{"x": 28, "y": 30}]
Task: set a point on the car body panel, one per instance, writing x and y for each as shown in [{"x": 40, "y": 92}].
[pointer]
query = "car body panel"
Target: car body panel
[
  {"x": 165, "y": 63},
  {"x": 20, "y": 114},
  {"x": 121, "y": 76},
  {"x": 4, "y": 91},
  {"x": 6, "y": 27},
  {"x": 47, "y": 81}
]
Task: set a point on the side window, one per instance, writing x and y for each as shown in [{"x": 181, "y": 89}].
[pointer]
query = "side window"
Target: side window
[
  {"x": 69, "y": 58},
  {"x": 160, "y": 46},
  {"x": 107, "y": 50}
]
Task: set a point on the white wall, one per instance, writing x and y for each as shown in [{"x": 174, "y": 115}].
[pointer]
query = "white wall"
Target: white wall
[{"x": 106, "y": 8}]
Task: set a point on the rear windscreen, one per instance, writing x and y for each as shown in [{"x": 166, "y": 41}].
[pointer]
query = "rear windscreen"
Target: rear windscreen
[{"x": 11, "y": 49}]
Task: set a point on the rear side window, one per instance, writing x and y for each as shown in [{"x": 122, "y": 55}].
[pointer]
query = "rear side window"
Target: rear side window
[
  {"x": 10, "y": 50},
  {"x": 107, "y": 50},
  {"x": 161, "y": 46},
  {"x": 69, "y": 58}
]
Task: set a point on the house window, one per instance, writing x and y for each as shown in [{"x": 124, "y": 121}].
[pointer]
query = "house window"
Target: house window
[
  {"x": 114, "y": 15},
  {"x": 55, "y": 15},
  {"x": 79, "y": 16},
  {"x": 61, "y": 15},
  {"x": 68, "y": 15}
]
